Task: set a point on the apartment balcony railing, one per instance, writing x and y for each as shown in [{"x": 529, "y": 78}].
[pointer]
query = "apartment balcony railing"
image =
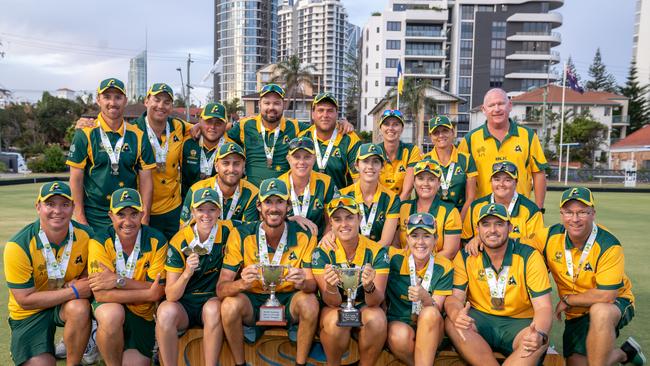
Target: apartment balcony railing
[{"x": 417, "y": 52}]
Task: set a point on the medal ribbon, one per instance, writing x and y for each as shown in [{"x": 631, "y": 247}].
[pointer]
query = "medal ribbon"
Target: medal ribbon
[
  {"x": 585, "y": 253},
  {"x": 56, "y": 269},
  {"x": 207, "y": 244},
  {"x": 264, "y": 249},
  {"x": 416, "y": 306},
  {"x": 160, "y": 152},
  {"x": 366, "y": 225},
  {"x": 300, "y": 208},
  {"x": 445, "y": 182},
  {"x": 126, "y": 269},
  {"x": 233, "y": 203},
  {"x": 268, "y": 151},
  {"x": 497, "y": 285},
  {"x": 113, "y": 154},
  {"x": 321, "y": 161},
  {"x": 511, "y": 206},
  {"x": 206, "y": 164}
]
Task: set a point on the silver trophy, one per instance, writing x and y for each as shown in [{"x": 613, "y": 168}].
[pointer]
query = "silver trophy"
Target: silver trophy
[
  {"x": 349, "y": 281},
  {"x": 272, "y": 312}
]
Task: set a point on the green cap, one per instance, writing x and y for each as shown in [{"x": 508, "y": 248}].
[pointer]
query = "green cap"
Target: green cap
[
  {"x": 273, "y": 187},
  {"x": 214, "y": 110},
  {"x": 158, "y": 88},
  {"x": 325, "y": 97},
  {"x": 494, "y": 209},
  {"x": 125, "y": 197},
  {"x": 421, "y": 220},
  {"x": 272, "y": 88},
  {"x": 203, "y": 195},
  {"x": 581, "y": 194},
  {"x": 505, "y": 167},
  {"x": 438, "y": 121},
  {"x": 368, "y": 150},
  {"x": 392, "y": 113},
  {"x": 229, "y": 148},
  {"x": 427, "y": 165},
  {"x": 345, "y": 202},
  {"x": 301, "y": 143},
  {"x": 54, "y": 188},
  {"x": 111, "y": 83}
]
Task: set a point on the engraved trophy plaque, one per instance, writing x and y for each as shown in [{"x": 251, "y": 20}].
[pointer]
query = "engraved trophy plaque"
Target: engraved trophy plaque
[
  {"x": 272, "y": 312},
  {"x": 350, "y": 280}
]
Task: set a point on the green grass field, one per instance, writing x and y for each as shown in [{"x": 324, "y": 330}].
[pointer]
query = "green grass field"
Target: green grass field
[{"x": 626, "y": 214}]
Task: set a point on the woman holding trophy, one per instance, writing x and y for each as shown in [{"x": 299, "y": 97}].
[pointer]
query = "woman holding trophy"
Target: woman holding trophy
[{"x": 417, "y": 273}]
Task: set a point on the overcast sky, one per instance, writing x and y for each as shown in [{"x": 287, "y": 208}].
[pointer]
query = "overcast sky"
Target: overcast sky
[{"x": 54, "y": 44}]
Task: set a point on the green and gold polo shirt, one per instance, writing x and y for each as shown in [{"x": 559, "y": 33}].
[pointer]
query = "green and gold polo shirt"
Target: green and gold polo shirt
[
  {"x": 521, "y": 146},
  {"x": 526, "y": 218},
  {"x": 448, "y": 221},
  {"x": 191, "y": 162},
  {"x": 464, "y": 167},
  {"x": 87, "y": 153},
  {"x": 399, "y": 280},
  {"x": 388, "y": 206},
  {"x": 393, "y": 172},
  {"x": 242, "y": 250},
  {"x": 248, "y": 134},
  {"x": 24, "y": 264},
  {"x": 246, "y": 209},
  {"x": 340, "y": 165},
  {"x": 151, "y": 260}
]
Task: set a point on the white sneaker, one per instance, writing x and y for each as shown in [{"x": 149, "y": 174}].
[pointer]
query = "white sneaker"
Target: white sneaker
[
  {"x": 91, "y": 355},
  {"x": 60, "y": 351}
]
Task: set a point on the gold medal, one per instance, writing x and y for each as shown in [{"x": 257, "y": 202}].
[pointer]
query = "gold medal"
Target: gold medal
[
  {"x": 445, "y": 193},
  {"x": 115, "y": 169},
  {"x": 497, "y": 303},
  {"x": 414, "y": 318},
  {"x": 200, "y": 250},
  {"x": 203, "y": 176},
  {"x": 160, "y": 167},
  {"x": 269, "y": 163},
  {"x": 187, "y": 251},
  {"x": 51, "y": 283}
]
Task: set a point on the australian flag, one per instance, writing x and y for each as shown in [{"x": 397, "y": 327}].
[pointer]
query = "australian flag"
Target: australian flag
[{"x": 572, "y": 82}]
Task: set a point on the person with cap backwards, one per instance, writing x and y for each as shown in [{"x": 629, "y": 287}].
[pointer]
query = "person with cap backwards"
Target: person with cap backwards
[
  {"x": 458, "y": 179},
  {"x": 126, "y": 263},
  {"x": 525, "y": 217},
  {"x": 309, "y": 191},
  {"x": 271, "y": 241},
  {"x": 588, "y": 265},
  {"x": 501, "y": 299},
  {"x": 112, "y": 153},
  {"x": 501, "y": 138},
  {"x": 194, "y": 259},
  {"x": 265, "y": 137},
  {"x": 237, "y": 196},
  {"x": 336, "y": 152},
  {"x": 45, "y": 269},
  {"x": 418, "y": 283},
  {"x": 351, "y": 250},
  {"x": 199, "y": 156},
  {"x": 449, "y": 225},
  {"x": 397, "y": 173}
]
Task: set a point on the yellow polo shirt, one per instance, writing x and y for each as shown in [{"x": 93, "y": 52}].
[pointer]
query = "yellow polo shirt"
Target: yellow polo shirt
[
  {"x": 448, "y": 221},
  {"x": 393, "y": 173}
]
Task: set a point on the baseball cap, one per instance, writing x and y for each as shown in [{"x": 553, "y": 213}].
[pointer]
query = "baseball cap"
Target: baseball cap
[
  {"x": 272, "y": 88},
  {"x": 214, "y": 110},
  {"x": 438, "y": 121},
  {"x": 111, "y": 83},
  {"x": 273, "y": 187},
  {"x": 581, "y": 194},
  {"x": 345, "y": 202},
  {"x": 325, "y": 97},
  {"x": 392, "y": 113},
  {"x": 422, "y": 220},
  {"x": 158, "y": 88},
  {"x": 304, "y": 143},
  {"x": 494, "y": 209},
  {"x": 506, "y": 167},
  {"x": 427, "y": 165},
  {"x": 203, "y": 195},
  {"x": 54, "y": 188},
  {"x": 229, "y": 148},
  {"x": 368, "y": 150},
  {"x": 125, "y": 197}
]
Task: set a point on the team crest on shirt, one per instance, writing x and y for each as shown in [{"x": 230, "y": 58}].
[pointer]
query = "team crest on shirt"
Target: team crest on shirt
[
  {"x": 318, "y": 204},
  {"x": 176, "y": 138},
  {"x": 481, "y": 274},
  {"x": 285, "y": 140},
  {"x": 170, "y": 253},
  {"x": 146, "y": 265},
  {"x": 337, "y": 152},
  {"x": 94, "y": 265},
  {"x": 78, "y": 260},
  {"x": 193, "y": 153},
  {"x": 385, "y": 258},
  {"x": 458, "y": 170},
  {"x": 237, "y": 210},
  {"x": 512, "y": 281},
  {"x": 125, "y": 147},
  {"x": 315, "y": 256},
  {"x": 402, "y": 169},
  {"x": 516, "y": 229},
  {"x": 588, "y": 268},
  {"x": 557, "y": 257},
  {"x": 292, "y": 256},
  {"x": 381, "y": 217},
  {"x": 481, "y": 151},
  {"x": 518, "y": 148},
  {"x": 42, "y": 269}
]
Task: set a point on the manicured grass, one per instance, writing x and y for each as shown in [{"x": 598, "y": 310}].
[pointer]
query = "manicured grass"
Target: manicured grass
[{"x": 626, "y": 214}]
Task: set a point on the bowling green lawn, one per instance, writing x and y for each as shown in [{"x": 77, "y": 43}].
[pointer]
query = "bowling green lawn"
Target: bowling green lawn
[{"x": 627, "y": 215}]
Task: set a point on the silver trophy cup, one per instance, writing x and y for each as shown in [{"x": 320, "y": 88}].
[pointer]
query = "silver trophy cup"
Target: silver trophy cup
[
  {"x": 272, "y": 312},
  {"x": 349, "y": 281}
]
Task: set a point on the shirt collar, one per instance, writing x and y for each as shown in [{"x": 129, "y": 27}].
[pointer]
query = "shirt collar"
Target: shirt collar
[
  {"x": 404, "y": 269},
  {"x": 400, "y": 151},
  {"x": 452, "y": 158},
  {"x": 359, "y": 254},
  {"x": 260, "y": 127},
  {"x": 358, "y": 196},
  {"x": 512, "y": 130},
  {"x": 39, "y": 244},
  {"x": 312, "y": 128},
  {"x": 507, "y": 258},
  {"x": 104, "y": 126}
]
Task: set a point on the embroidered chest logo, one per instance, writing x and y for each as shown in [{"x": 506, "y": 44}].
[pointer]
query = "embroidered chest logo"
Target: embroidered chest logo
[
  {"x": 285, "y": 139},
  {"x": 146, "y": 265},
  {"x": 293, "y": 256},
  {"x": 337, "y": 152},
  {"x": 481, "y": 151},
  {"x": 126, "y": 147},
  {"x": 557, "y": 258},
  {"x": 518, "y": 148},
  {"x": 315, "y": 256},
  {"x": 78, "y": 260},
  {"x": 481, "y": 274},
  {"x": 588, "y": 268},
  {"x": 516, "y": 229},
  {"x": 512, "y": 281},
  {"x": 176, "y": 138},
  {"x": 402, "y": 169}
]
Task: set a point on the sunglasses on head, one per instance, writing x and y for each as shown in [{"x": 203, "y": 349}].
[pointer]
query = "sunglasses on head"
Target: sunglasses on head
[
  {"x": 421, "y": 219},
  {"x": 392, "y": 113},
  {"x": 272, "y": 88},
  {"x": 301, "y": 144},
  {"x": 504, "y": 167},
  {"x": 322, "y": 96}
]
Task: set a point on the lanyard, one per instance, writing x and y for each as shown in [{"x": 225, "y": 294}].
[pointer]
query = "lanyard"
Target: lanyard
[
  {"x": 445, "y": 182},
  {"x": 161, "y": 152},
  {"x": 511, "y": 206},
  {"x": 268, "y": 151},
  {"x": 113, "y": 154},
  {"x": 233, "y": 203},
  {"x": 207, "y": 244},
  {"x": 416, "y": 306},
  {"x": 585, "y": 253},
  {"x": 126, "y": 269},
  {"x": 206, "y": 164},
  {"x": 264, "y": 249},
  {"x": 56, "y": 269},
  {"x": 321, "y": 161},
  {"x": 300, "y": 209},
  {"x": 366, "y": 224}
]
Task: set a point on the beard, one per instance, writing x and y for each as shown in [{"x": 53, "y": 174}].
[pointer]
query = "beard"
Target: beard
[{"x": 273, "y": 119}]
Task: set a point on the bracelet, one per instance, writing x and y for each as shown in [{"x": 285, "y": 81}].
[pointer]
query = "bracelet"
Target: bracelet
[
  {"x": 76, "y": 292},
  {"x": 372, "y": 289}
]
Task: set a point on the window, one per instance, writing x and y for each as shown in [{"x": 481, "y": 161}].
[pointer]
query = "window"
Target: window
[
  {"x": 394, "y": 26},
  {"x": 392, "y": 44},
  {"x": 608, "y": 111},
  {"x": 467, "y": 12},
  {"x": 376, "y": 65},
  {"x": 537, "y": 27},
  {"x": 377, "y": 29},
  {"x": 467, "y": 30},
  {"x": 464, "y": 85},
  {"x": 498, "y": 48},
  {"x": 376, "y": 82},
  {"x": 377, "y": 48},
  {"x": 498, "y": 30},
  {"x": 466, "y": 48},
  {"x": 485, "y": 9},
  {"x": 391, "y": 81},
  {"x": 465, "y": 67},
  {"x": 391, "y": 63}
]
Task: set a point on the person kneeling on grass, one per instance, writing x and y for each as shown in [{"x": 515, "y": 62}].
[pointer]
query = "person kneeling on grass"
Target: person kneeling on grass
[
  {"x": 126, "y": 263},
  {"x": 501, "y": 300},
  {"x": 194, "y": 259},
  {"x": 418, "y": 283}
]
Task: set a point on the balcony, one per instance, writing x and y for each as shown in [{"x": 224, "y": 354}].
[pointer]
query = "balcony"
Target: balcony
[
  {"x": 618, "y": 121},
  {"x": 431, "y": 53},
  {"x": 425, "y": 34},
  {"x": 425, "y": 71},
  {"x": 552, "y": 56},
  {"x": 550, "y": 17},
  {"x": 533, "y": 74},
  {"x": 553, "y": 37}
]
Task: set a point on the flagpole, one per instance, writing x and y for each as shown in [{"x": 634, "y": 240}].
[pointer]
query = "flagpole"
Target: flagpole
[{"x": 559, "y": 162}]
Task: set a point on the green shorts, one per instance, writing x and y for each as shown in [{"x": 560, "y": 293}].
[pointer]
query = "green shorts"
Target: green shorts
[
  {"x": 139, "y": 333},
  {"x": 167, "y": 223},
  {"x": 576, "y": 329},
  {"x": 34, "y": 335},
  {"x": 193, "y": 306},
  {"x": 498, "y": 331}
]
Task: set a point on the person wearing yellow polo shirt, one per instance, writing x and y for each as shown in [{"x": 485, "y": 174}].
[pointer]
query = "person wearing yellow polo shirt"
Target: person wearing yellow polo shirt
[
  {"x": 309, "y": 191},
  {"x": 427, "y": 183},
  {"x": 588, "y": 265},
  {"x": 379, "y": 205},
  {"x": 45, "y": 269},
  {"x": 418, "y": 283},
  {"x": 501, "y": 138},
  {"x": 458, "y": 179},
  {"x": 397, "y": 172},
  {"x": 336, "y": 152},
  {"x": 351, "y": 250},
  {"x": 126, "y": 265},
  {"x": 238, "y": 197},
  {"x": 112, "y": 153},
  {"x": 271, "y": 241},
  {"x": 501, "y": 300},
  {"x": 194, "y": 259},
  {"x": 526, "y": 219}
]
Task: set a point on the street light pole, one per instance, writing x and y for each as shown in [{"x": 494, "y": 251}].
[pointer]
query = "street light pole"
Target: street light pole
[
  {"x": 180, "y": 72},
  {"x": 187, "y": 100}
]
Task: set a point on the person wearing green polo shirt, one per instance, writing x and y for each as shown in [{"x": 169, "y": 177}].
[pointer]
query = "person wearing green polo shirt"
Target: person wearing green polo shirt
[
  {"x": 112, "y": 153},
  {"x": 418, "y": 283},
  {"x": 501, "y": 300},
  {"x": 194, "y": 259},
  {"x": 45, "y": 270},
  {"x": 458, "y": 179},
  {"x": 238, "y": 196},
  {"x": 126, "y": 266},
  {"x": 336, "y": 152},
  {"x": 199, "y": 156},
  {"x": 351, "y": 250}
]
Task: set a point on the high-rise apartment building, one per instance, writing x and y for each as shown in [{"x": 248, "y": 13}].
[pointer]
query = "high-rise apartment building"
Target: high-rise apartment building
[
  {"x": 641, "y": 40},
  {"x": 137, "y": 83}
]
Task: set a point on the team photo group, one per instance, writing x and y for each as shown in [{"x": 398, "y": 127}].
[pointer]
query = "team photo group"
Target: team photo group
[{"x": 267, "y": 222}]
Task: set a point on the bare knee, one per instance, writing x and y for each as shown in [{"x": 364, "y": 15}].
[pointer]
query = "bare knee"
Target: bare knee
[
  {"x": 231, "y": 309},
  {"x": 328, "y": 319},
  {"x": 110, "y": 316},
  {"x": 604, "y": 314},
  {"x": 42, "y": 359},
  {"x": 212, "y": 313},
  {"x": 430, "y": 316},
  {"x": 399, "y": 337},
  {"x": 307, "y": 305},
  {"x": 374, "y": 320},
  {"x": 168, "y": 314},
  {"x": 76, "y": 310}
]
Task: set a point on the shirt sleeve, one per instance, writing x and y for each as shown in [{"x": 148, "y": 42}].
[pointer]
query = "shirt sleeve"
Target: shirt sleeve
[
  {"x": 329, "y": 192},
  {"x": 453, "y": 223},
  {"x": 610, "y": 268},
  {"x": 414, "y": 157},
  {"x": 147, "y": 158},
  {"x": 463, "y": 146},
  {"x": 353, "y": 150},
  {"x": 446, "y": 282},
  {"x": 381, "y": 262},
  {"x": 175, "y": 258},
  {"x": 97, "y": 255},
  {"x": 318, "y": 261},
  {"x": 159, "y": 259},
  {"x": 78, "y": 153},
  {"x": 305, "y": 261},
  {"x": 535, "y": 223},
  {"x": 233, "y": 133},
  {"x": 303, "y": 126},
  {"x": 186, "y": 212},
  {"x": 250, "y": 212},
  {"x": 468, "y": 225},
  {"x": 18, "y": 267},
  {"x": 393, "y": 209},
  {"x": 471, "y": 169},
  {"x": 233, "y": 258},
  {"x": 537, "y": 281},
  {"x": 537, "y": 239},
  {"x": 538, "y": 160},
  {"x": 460, "y": 273}
]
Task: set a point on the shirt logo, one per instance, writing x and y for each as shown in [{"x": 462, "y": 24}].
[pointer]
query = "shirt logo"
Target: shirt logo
[
  {"x": 481, "y": 274},
  {"x": 458, "y": 170},
  {"x": 558, "y": 257},
  {"x": 78, "y": 260},
  {"x": 315, "y": 256},
  {"x": 193, "y": 153},
  {"x": 402, "y": 169},
  {"x": 285, "y": 140},
  {"x": 588, "y": 268},
  {"x": 516, "y": 229},
  {"x": 337, "y": 152},
  {"x": 176, "y": 138},
  {"x": 293, "y": 256},
  {"x": 481, "y": 151},
  {"x": 518, "y": 148},
  {"x": 146, "y": 265},
  {"x": 512, "y": 281},
  {"x": 126, "y": 147}
]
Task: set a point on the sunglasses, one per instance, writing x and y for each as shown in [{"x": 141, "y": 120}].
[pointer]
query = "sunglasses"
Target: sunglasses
[
  {"x": 421, "y": 219},
  {"x": 301, "y": 143},
  {"x": 343, "y": 201},
  {"x": 504, "y": 167},
  {"x": 323, "y": 96},
  {"x": 392, "y": 113},
  {"x": 275, "y": 88}
]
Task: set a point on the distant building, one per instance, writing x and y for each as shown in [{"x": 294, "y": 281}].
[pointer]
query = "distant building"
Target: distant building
[
  {"x": 137, "y": 83},
  {"x": 641, "y": 40},
  {"x": 5, "y": 97},
  {"x": 65, "y": 93},
  {"x": 635, "y": 147},
  {"x": 302, "y": 112}
]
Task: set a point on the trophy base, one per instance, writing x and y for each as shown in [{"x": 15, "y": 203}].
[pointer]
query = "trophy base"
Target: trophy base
[
  {"x": 349, "y": 318},
  {"x": 272, "y": 316}
]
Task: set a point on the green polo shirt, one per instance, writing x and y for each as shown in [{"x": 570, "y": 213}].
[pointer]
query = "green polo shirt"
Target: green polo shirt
[
  {"x": 248, "y": 135},
  {"x": 340, "y": 165},
  {"x": 87, "y": 153},
  {"x": 448, "y": 221},
  {"x": 388, "y": 206},
  {"x": 191, "y": 163},
  {"x": 464, "y": 168}
]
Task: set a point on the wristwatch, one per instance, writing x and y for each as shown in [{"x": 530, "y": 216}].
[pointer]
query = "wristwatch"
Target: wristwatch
[
  {"x": 120, "y": 282},
  {"x": 544, "y": 337}
]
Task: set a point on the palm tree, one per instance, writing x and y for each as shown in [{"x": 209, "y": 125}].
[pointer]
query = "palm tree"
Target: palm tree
[
  {"x": 411, "y": 102},
  {"x": 233, "y": 108},
  {"x": 294, "y": 74}
]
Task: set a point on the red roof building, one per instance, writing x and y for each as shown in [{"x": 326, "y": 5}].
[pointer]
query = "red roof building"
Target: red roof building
[{"x": 635, "y": 147}]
